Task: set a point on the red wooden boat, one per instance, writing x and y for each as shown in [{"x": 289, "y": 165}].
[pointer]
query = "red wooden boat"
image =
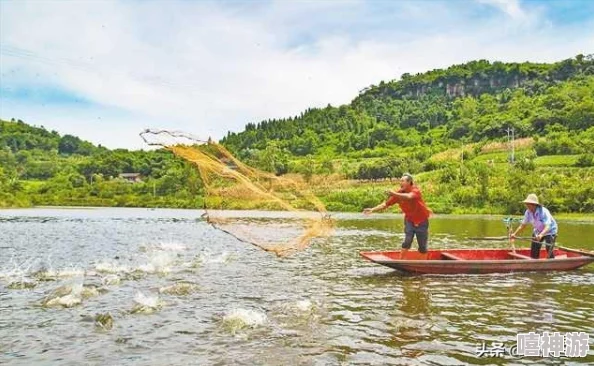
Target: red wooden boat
[{"x": 475, "y": 261}]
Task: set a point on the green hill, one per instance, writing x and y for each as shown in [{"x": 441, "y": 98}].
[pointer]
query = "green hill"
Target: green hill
[
  {"x": 38, "y": 167},
  {"x": 472, "y": 102}
]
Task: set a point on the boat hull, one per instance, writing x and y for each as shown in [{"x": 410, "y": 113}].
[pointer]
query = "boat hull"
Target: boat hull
[{"x": 480, "y": 261}]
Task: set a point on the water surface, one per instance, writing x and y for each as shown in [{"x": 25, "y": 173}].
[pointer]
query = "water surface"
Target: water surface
[{"x": 322, "y": 306}]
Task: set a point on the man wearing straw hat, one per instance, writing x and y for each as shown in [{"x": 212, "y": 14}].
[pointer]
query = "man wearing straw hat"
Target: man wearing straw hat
[{"x": 544, "y": 226}]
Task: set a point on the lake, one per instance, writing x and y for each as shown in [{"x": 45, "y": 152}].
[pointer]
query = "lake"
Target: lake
[{"x": 177, "y": 291}]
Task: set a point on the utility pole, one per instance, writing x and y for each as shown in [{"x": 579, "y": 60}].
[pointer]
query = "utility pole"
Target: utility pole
[
  {"x": 511, "y": 138},
  {"x": 461, "y": 162},
  {"x": 513, "y": 146}
]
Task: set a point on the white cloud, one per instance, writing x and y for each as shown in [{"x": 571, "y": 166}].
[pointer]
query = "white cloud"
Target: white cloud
[
  {"x": 207, "y": 68},
  {"x": 510, "y": 7}
]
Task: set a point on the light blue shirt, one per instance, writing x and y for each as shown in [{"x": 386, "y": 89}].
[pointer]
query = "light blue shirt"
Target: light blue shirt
[{"x": 539, "y": 219}]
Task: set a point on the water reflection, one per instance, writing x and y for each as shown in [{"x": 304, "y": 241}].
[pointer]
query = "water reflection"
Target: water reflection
[{"x": 416, "y": 298}]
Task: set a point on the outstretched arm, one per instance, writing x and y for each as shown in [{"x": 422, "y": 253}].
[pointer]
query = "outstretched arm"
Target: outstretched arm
[
  {"x": 380, "y": 207},
  {"x": 518, "y": 230}
]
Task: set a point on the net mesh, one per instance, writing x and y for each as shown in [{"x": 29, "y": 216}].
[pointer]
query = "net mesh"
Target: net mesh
[{"x": 230, "y": 184}]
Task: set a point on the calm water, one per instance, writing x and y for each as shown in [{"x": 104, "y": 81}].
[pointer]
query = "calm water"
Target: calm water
[{"x": 239, "y": 305}]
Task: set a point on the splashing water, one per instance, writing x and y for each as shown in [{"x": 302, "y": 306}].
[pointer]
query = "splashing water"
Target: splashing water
[
  {"x": 111, "y": 267},
  {"x": 17, "y": 271},
  {"x": 38, "y": 269},
  {"x": 67, "y": 301},
  {"x": 303, "y": 306},
  {"x": 164, "y": 246},
  {"x": 146, "y": 304},
  {"x": 179, "y": 289},
  {"x": 111, "y": 279},
  {"x": 67, "y": 296},
  {"x": 159, "y": 262},
  {"x": 238, "y": 319},
  {"x": 89, "y": 291},
  {"x": 104, "y": 321},
  {"x": 171, "y": 246},
  {"x": 207, "y": 257},
  {"x": 23, "y": 284},
  {"x": 52, "y": 275}
]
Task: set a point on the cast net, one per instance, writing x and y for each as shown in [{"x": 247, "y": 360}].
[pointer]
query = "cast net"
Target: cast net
[{"x": 298, "y": 218}]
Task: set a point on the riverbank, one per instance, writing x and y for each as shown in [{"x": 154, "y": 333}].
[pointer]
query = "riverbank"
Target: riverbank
[{"x": 561, "y": 216}]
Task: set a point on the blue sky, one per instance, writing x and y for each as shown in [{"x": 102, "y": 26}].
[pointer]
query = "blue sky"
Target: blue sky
[{"x": 106, "y": 70}]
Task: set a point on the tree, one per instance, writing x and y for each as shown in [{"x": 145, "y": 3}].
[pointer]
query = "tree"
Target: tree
[
  {"x": 273, "y": 159},
  {"x": 68, "y": 144}
]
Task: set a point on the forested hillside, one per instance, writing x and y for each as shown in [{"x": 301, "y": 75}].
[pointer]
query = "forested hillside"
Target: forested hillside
[
  {"x": 472, "y": 102},
  {"x": 41, "y": 167}
]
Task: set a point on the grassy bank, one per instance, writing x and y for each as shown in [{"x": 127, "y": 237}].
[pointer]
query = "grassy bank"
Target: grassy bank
[{"x": 459, "y": 190}]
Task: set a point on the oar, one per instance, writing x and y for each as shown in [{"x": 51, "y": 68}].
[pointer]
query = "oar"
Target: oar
[
  {"x": 495, "y": 238},
  {"x": 557, "y": 244},
  {"x": 510, "y": 239},
  {"x": 501, "y": 238},
  {"x": 588, "y": 253},
  {"x": 509, "y": 224}
]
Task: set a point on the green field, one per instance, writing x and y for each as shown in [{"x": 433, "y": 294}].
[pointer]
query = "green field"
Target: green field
[{"x": 556, "y": 160}]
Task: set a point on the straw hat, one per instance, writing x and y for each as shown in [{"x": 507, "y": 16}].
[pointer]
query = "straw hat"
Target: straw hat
[{"x": 532, "y": 198}]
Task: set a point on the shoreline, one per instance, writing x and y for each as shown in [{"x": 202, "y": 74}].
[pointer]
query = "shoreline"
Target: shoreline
[{"x": 562, "y": 216}]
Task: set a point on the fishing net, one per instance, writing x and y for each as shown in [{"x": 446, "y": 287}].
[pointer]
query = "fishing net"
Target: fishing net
[{"x": 231, "y": 185}]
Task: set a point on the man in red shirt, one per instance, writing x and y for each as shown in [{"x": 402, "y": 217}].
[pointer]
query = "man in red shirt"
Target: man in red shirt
[{"x": 416, "y": 214}]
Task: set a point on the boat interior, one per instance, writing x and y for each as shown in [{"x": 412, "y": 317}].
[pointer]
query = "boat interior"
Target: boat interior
[{"x": 471, "y": 254}]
